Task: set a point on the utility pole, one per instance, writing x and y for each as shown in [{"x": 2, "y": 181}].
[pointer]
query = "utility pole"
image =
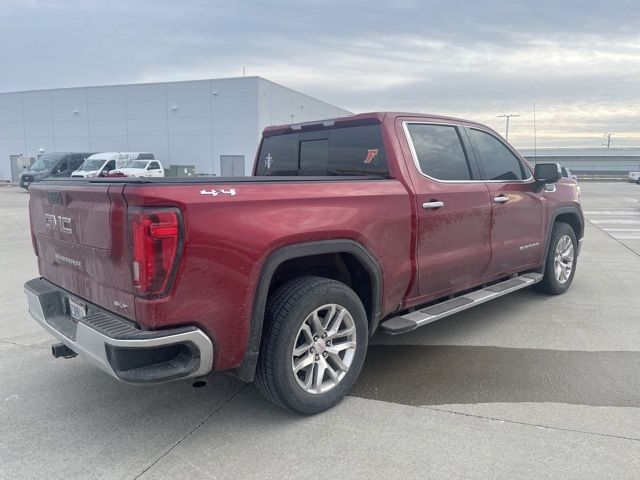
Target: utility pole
[
  {"x": 507, "y": 116},
  {"x": 608, "y": 136}
]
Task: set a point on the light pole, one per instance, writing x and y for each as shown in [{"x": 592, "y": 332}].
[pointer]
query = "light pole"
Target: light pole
[
  {"x": 535, "y": 135},
  {"x": 508, "y": 116},
  {"x": 608, "y": 135}
]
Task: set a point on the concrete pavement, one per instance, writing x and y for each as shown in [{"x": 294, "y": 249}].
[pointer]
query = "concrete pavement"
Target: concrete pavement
[{"x": 527, "y": 386}]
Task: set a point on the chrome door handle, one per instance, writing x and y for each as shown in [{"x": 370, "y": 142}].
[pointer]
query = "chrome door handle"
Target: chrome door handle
[
  {"x": 501, "y": 199},
  {"x": 432, "y": 205}
]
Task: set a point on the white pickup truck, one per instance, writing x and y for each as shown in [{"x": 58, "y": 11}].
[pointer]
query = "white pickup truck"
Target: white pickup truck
[
  {"x": 634, "y": 177},
  {"x": 142, "y": 168}
]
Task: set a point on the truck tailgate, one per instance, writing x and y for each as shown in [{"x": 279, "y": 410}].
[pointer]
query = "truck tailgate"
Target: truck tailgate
[{"x": 81, "y": 240}]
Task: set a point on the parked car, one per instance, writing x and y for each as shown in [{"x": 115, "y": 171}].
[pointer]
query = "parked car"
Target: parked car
[
  {"x": 142, "y": 168},
  {"x": 634, "y": 177},
  {"x": 101, "y": 164},
  {"x": 55, "y": 164},
  {"x": 378, "y": 221}
]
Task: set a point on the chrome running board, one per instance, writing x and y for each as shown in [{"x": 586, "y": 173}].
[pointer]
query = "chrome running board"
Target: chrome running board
[{"x": 411, "y": 321}]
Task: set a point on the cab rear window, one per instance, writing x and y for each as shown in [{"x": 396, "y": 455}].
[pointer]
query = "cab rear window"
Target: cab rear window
[{"x": 338, "y": 151}]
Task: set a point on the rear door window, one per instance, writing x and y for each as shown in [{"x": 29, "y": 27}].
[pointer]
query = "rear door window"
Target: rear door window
[
  {"x": 439, "y": 151},
  {"x": 338, "y": 151},
  {"x": 496, "y": 160}
]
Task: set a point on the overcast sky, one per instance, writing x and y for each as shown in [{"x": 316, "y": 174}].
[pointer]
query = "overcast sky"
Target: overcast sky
[{"x": 579, "y": 61}]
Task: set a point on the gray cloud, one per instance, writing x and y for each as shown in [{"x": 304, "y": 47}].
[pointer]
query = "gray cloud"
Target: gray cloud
[{"x": 579, "y": 61}]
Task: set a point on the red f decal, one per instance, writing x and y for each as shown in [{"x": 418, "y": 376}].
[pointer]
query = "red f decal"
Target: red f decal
[{"x": 371, "y": 155}]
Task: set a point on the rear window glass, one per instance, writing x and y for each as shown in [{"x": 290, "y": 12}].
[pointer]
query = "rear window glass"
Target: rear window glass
[
  {"x": 439, "y": 151},
  {"x": 338, "y": 151}
]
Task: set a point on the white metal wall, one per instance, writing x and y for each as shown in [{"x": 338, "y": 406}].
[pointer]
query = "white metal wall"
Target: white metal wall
[
  {"x": 622, "y": 164},
  {"x": 191, "y": 122}
]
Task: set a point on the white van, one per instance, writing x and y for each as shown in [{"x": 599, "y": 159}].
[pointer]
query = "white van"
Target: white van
[{"x": 100, "y": 164}]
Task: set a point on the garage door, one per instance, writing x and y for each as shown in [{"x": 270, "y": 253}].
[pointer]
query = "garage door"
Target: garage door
[{"x": 232, "y": 165}]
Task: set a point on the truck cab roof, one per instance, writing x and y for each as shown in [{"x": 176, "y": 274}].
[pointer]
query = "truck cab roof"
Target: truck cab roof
[{"x": 367, "y": 118}]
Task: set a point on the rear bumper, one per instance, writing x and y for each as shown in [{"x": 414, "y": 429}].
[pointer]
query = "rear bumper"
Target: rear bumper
[{"x": 116, "y": 345}]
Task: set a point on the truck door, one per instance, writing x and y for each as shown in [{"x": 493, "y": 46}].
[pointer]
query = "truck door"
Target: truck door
[
  {"x": 60, "y": 169},
  {"x": 517, "y": 235},
  {"x": 453, "y": 208},
  {"x": 110, "y": 165},
  {"x": 153, "y": 169},
  {"x": 74, "y": 164}
]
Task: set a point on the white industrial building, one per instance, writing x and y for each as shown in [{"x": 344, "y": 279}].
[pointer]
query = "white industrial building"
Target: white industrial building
[
  {"x": 608, "y": 161},
  {"x": 214, "y": 124}
]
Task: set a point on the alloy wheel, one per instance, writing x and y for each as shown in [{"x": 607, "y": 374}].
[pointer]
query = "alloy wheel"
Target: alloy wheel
[
  {"x": 564, "y": 258},
  {"x": 324, "y": 348}
]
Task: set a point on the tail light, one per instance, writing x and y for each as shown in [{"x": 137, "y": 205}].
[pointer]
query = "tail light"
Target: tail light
[{"x": 157, "y": 240}]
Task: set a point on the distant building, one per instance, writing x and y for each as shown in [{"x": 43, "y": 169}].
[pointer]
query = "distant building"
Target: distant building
[
  {"x": 212, "y": 124},
  {"x": 606, "y": 161}
]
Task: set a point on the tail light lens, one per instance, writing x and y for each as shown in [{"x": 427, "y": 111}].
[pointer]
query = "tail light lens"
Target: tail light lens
[{"x": 157, "y": 240}]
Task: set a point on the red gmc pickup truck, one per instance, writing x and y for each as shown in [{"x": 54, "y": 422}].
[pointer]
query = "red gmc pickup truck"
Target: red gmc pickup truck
[{"x": 378, "y": 221}]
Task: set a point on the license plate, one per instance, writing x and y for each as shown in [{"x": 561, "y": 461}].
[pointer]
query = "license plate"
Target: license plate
[
  {"x": 77, "y": 309},
  {"x": 26, "y": 184}
]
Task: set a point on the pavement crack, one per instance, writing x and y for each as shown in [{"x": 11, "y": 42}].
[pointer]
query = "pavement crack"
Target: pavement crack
[
  {"x": 6, "y": 342},
  {"x": 516, "y": 422},
  {"x": 216, "y": 410}
]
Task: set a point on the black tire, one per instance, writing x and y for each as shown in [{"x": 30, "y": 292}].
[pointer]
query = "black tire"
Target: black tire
[
  {"x": 550, "y": 283},
  {"x": 287, "y": 309}
]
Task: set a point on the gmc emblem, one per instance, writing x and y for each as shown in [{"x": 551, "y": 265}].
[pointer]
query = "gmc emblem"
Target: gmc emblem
[{"x": 61, "y": 224}]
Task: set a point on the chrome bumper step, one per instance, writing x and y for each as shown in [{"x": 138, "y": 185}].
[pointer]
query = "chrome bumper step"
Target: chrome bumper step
[{"x": 411, "y": 321}]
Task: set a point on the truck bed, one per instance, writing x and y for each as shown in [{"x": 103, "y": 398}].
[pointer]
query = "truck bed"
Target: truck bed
[{"x": 227, "y": 239}]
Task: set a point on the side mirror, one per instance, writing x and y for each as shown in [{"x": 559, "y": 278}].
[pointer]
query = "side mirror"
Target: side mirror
[{"x": 547, "y": 173}]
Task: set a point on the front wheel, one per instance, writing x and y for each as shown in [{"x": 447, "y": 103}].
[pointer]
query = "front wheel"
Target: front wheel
[
  {"x": 561, "y": 261},
  {"x": 313, "y": 346}
]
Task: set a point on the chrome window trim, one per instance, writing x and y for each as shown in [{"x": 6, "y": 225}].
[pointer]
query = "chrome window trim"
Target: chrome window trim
[{"x": 414, "y": 155}]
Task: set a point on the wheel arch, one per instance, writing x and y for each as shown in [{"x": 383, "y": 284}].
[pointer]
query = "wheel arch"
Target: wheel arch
[
  {"x": 570, "y": 215},
  {"x": 311, "y": 251}
]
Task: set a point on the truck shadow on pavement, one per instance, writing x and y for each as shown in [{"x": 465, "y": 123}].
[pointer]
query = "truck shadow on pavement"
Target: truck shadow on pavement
[{"x": 450, "y": 374}]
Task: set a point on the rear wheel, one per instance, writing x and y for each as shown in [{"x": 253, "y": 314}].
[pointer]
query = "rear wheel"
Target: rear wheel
[
  {"x": 560, "y": 266},
  {"x": 313, "y": 346}
]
